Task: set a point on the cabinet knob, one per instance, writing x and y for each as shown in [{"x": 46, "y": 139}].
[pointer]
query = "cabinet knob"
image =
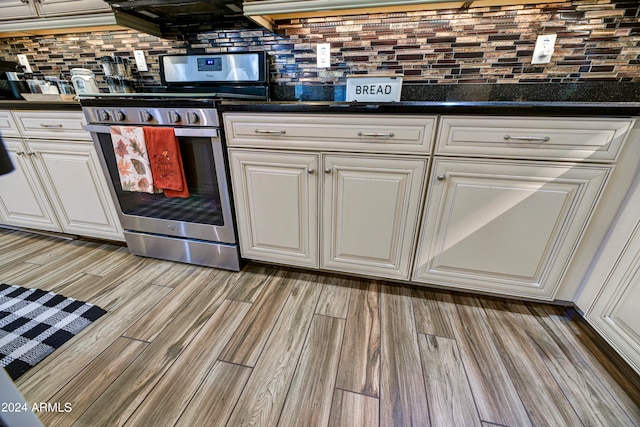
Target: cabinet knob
[
  {"x": 310, "y": 170},
  {"x": 327, "y": 170},
  {"x": 441, "y": 177}
]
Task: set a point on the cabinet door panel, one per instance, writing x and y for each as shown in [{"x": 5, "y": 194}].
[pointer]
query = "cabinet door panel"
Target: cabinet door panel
[
  {"x": 72, "y": 177},
  {"x": 276, "y": 205},
  {"x": 72, "y": 7},
  {"x": 22, "y": 199},
  {"x": 614, "y": 312},
  {"x": 483, "y": 210},
  {"x": 16, "y": 9},
  {"x": 8, "y": 127},
  {"x": 506, "y": 227},
  {"x": 370, "y": 212}
]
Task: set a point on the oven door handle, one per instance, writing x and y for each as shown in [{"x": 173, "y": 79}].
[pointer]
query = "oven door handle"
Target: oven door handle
[{"x": 193, "y": 132}]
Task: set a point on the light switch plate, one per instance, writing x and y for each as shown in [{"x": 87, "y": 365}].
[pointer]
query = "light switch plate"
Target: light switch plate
[
  {"x": 141, "y": 63},
  {"x": 22, "y": 59},
  {"x": 544, "y": 49},
  {"x": 324, "y": 55}
]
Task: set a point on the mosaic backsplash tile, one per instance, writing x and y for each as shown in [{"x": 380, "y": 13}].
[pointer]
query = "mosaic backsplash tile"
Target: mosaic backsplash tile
[{"x": 598, "y": 40}]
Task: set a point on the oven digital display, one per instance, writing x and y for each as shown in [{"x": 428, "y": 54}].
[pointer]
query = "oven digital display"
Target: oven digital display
[{"x": 210, "y": 64}]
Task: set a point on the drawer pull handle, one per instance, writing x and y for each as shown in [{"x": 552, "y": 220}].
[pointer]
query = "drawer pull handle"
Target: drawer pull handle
[
  {"x": 527, "y": 138},
  {"x": 377, "y": 134},
  {"x": 45, "y": 125},
  {"x": 270, "y": 132}
]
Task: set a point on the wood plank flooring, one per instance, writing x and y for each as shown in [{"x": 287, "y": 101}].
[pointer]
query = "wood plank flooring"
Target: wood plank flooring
[{"x": 270, "y": 346}]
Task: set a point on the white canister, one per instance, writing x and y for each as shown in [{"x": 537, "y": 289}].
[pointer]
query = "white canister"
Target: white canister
[{"x": 84, "y": 81}]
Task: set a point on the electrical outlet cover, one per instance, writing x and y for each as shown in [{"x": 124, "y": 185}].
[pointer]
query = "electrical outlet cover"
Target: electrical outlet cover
[
  {"x": 141, "y": 62},
  {"x": 544, "y": 49},
  {"x": 22, "y": 60},
  {"x": 324, "y": 55}
]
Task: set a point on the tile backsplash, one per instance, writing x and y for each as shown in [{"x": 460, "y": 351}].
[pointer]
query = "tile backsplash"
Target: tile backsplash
[{"x": 598, "y": 40}]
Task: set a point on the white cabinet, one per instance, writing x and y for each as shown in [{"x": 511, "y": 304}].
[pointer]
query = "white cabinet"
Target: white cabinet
[
  {"x": 550, "y": 138},
  {"x": 57, "y": 184},
  {"x": 23, "y": 201},
  {"x": 71, "y": 174},
  {"x": 370, "y": 211},
  {"x": 276, "y": 200},
  {"x": 304, "y": 197},
  {"x": 615, "y": 312},
  {"x": 610, "y": 293},
  {"x": 367, "y": 217},
  {"x": 8, "y": 127},
  {"x": 371, "y": 133},
  {"x": 507, "y": 227},
  {"x": 18, "y": 9},
  {"x": 71, "y": 7},
  {"x": 499, "y": 225}
]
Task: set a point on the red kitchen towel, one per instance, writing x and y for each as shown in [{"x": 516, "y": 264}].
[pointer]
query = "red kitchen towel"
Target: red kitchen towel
[{"x": 166, "y": 161}]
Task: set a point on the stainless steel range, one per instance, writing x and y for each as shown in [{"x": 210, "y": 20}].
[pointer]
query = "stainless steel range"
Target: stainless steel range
[{"x": 196, "y": 227}]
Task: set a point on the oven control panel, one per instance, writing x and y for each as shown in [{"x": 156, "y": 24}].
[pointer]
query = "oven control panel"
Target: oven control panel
[{"x": 141, "y": 116}]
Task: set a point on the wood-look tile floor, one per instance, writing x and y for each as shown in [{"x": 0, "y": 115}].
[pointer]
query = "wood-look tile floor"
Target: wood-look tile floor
[{"x": 194, "y": 346}]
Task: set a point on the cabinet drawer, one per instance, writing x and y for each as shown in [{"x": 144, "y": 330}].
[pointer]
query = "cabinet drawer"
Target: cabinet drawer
[
  {"x": 367, "y": 133},
  {"x": 52, "y": 124},
  {"x": 7, "y": 126},
  {"x": 576, "y": 139}
]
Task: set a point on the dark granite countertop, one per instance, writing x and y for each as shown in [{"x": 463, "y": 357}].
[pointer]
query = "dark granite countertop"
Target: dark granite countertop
[
  {"x": 16, "y": 104},
  {"x": 558, "y": 99},
  {"x": 595, "y": 98}
]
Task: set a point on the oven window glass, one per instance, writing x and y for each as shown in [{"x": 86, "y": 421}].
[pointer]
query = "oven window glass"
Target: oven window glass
[{"x": 203, "y": 206}]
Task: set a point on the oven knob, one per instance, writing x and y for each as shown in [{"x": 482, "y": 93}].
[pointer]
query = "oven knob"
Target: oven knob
[
  {"x": 103, "y": 115},
  {"x": 192, "y": 118},
  {"x": 145, "y": 116},
  {"x": 119, "y": 116},
  {"x": 174, "y": 117}
]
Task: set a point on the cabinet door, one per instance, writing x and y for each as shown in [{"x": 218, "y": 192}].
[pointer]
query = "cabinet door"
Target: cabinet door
[
  {"x": 23, "y": 202},
  {"x": 370, "y": 214},
  {"x": 16, "y": 9},
  {"x": 276, "y": 196},
  {"x": 71, "y": 174},
  {"x": 504, "y": 227},
  {"x": 614, "y": 312},
  {"x": 71, "y": 7},
  {"x": 8, "y": 127}
]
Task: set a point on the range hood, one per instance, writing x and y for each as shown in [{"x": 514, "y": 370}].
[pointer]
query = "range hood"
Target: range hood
[{"x": 177, "y": 17}]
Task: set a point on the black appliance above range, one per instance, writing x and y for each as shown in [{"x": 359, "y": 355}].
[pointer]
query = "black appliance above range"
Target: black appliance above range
[
  {"x": 172, "y": 18},
  {"x": 164, "y": 160}
]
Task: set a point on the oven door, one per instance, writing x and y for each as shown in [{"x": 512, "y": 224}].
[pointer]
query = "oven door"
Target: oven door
[{"x": 204, "y": 215}]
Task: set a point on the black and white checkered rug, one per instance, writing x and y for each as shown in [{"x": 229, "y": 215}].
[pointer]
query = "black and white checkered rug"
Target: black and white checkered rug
[{"x": 33, "y": 323}]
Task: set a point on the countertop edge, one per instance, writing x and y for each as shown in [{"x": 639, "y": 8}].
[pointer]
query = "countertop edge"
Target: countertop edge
[{"x": 40, "y": 105}]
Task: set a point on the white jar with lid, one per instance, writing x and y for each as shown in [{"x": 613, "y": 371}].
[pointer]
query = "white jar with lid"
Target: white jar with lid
[{"x": 84, "y": 81}]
